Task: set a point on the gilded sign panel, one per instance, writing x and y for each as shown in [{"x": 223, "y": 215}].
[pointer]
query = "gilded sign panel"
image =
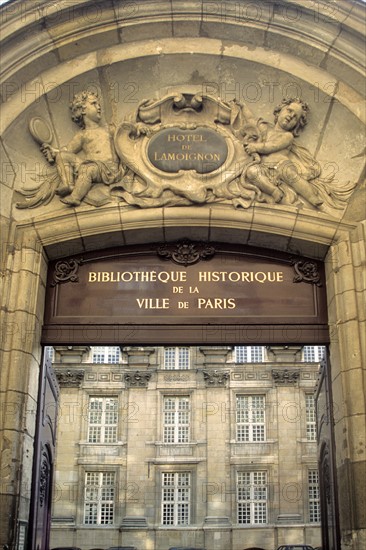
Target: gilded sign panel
[
  {"x": 202, "y": 150},
  {"x": 194, "y": 285}
]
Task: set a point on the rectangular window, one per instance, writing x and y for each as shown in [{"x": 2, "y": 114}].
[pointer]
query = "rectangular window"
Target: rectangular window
[
  {"x": 313, "y": 354},
  {"x": 176, "y": 418},
  {"x": 106, "y": 354},
  {"x": 252, "y": 497},
  {"x": 102, "y": 420},
  {"x": 176, "y": 496},
  {"x": 250, "y": 418},
  {"x": 176, "y": 358},
  {"x": 99, "y": 498},
  {"x": 314, "y": 501},
  {"x": 249, "y": 354},
  {"x": 310, "y": 418}
]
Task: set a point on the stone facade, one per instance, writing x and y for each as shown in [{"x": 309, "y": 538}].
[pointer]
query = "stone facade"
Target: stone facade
[
  {"x": 130, "y": 52},
  {"x": 214, "y": 454}
]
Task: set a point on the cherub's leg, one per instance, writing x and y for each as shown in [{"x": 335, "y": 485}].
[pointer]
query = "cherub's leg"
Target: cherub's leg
[
  {"x": 256, "y": 176},
  {"x": 291, "y": 176},
  {"x": 65, "y": 164},
  {"x": 87, "y": 173}
]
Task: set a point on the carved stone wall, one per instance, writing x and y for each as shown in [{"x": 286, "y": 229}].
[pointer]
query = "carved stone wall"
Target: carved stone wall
[{"x": 129, "y": 52}]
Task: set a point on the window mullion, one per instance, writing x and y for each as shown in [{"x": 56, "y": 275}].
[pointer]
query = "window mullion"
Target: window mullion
[
  {"x": 176, "y": 422},
  {"x": 103, "y": 419},
  {"x": 99, "y": 503},
  {"x": 250, "y": 419},
  {"x": 175, "y": 505}
]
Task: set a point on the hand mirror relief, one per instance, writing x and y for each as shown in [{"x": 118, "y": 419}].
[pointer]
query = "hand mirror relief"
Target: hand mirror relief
[
  {"x": 40, "y": 130},
  {"x": 42, "y": 134}
]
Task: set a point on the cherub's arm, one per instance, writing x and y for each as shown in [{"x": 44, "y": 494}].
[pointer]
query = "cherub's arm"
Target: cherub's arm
[
  {"x": 75, "y": 145},
  {"x": 274, "y": 142}
]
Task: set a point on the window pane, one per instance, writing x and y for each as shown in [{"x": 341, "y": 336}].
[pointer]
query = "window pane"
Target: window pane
[
  {"x": 260, "y": 513},
  {"x": 250, "y": 418},
  {"x": 176, "y": 358},
  {"x": 94, "y": 434},
  {"x": 252, "y": 497},
  {"x": 99, "y": 498},
  {"x": 243, "y": 513},
  {"x": 176, "y": 494},
  {"x": 183, "y": 514},
  {"x": 113, "y": 354},
  {"x": 183, "y": 361},
  {"x": 313, "y": 494},
  {"x": 91, "y": 511},
  {"x": 103, "y": 420},
  {"x": 106, "y": 354},
  {"x": 310, "y": 418},
  {"x": 176, "y": 419},
  {"x": 249, "y": 354},
  {"x": 168, "y": 514},
  {"x": 313, "y": 354},
  {"x": 169, "y": 358}
]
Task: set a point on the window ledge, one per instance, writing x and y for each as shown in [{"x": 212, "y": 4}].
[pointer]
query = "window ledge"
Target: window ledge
[
  {"x": 259, "y": 449},
  {"x": 89, "y": 444}
]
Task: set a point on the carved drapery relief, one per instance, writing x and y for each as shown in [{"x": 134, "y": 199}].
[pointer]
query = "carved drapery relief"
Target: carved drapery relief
[
  {"x": 285, "y": 377},
  {"x": 70, "y": 378},
  {"x": 184, "y": 149},
  {"x": 137, "y": 379},
  {"x": 215, "y": 378}
]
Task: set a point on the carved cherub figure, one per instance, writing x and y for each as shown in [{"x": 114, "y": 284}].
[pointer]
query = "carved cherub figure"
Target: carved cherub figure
[
  {"x": 275, "y": 146},
  {"x": 248, "y": 134},
  {"x": 89, "y": 157}
]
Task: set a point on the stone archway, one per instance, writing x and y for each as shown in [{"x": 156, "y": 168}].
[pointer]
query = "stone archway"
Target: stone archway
[{"x": 57, "y": 56}]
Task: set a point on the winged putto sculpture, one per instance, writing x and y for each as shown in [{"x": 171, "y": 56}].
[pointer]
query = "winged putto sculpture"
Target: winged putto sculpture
[{"x": 184, "y": 149}]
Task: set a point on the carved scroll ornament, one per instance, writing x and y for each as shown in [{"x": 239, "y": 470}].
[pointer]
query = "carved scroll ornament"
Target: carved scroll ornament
[
  {"x": 44, "y": 479},
  {"x": 184, "y": 149},
  {"x": 306, "y": 271},
  {"x": 186, "y": 253},
  {"x": 65, "y": 271}
]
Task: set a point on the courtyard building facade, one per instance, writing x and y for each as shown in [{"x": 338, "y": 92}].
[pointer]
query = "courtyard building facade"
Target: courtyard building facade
[{"x": 207, "y": 446}]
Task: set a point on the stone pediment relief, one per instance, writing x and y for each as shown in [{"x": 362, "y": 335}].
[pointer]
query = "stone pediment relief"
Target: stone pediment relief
[{"x": 184, "y": 149}]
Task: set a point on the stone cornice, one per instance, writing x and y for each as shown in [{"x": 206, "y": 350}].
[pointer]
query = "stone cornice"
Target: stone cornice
[
  {"x": 16, "y": 16},
  {"x": 294, "y": 229},
  {"x": 18, "y": 99},
  {"x": 330, "y": 33}
]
